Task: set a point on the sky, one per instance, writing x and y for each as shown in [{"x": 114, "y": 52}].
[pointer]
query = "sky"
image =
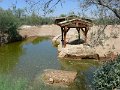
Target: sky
[{"x": 67, "y": 6}]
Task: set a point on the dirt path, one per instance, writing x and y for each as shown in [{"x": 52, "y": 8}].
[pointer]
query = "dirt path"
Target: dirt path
[{"x": 44, "y": 30}]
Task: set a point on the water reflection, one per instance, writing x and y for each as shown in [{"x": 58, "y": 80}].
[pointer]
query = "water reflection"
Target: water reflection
[
  {"x": 84, "y": 68},
  {"x": 78, "y": 65},
  {"x": 9, "y": 56},
  {"x": 30, "y": 57}
]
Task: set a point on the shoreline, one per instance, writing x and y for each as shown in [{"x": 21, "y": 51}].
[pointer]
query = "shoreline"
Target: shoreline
[{"x": 53, "y": 31}]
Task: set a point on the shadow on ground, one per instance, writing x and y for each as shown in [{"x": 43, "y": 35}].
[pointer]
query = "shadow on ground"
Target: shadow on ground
[{"x": 76, "y": 42}]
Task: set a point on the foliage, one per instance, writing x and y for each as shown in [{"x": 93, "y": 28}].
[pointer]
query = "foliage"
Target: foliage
[
  {"x": 11, "y": 19},
  {"x": 7, "y": 21},
  {"x": 34, "y": 19},
  {"x": 62, "y": 15},
  {"x": 8, "y": 27},
  {"x": 107, "y": 77}
]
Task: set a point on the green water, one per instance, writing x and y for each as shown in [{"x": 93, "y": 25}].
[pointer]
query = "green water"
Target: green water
[{"x": 22, "y": 62}]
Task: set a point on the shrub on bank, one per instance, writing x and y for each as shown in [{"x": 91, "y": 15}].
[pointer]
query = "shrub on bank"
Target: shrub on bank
[
  {"x": 8, "y": 27},
  {"x": 107, "y": 77}
]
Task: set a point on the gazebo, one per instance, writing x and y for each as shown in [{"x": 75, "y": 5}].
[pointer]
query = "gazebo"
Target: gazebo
[{"x": 69, "y": 22}]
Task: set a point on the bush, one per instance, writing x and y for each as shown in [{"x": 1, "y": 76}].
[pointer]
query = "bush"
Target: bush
[
  {"x": 7, "y": 21},
  {"x": 8, "y": 27},
  {"x": 107, "y": 77},
  {"x": 36, "y": 20}
]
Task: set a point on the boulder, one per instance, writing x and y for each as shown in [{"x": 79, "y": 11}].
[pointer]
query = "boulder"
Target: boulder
[
  {"x": 82, "y": 51},
  {"x": 58, "y": 77}
]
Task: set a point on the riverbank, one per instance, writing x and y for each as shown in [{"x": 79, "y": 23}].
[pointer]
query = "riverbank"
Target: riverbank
[{"x": 103, "y": 41}]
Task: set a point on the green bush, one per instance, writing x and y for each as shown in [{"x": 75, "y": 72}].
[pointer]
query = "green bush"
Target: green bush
[
  {"x": 107, "y": 77},
  {"x": 8, "y": 27},
  {"x": 36, "y": 20},
  {"x": 7, "y": 21}
]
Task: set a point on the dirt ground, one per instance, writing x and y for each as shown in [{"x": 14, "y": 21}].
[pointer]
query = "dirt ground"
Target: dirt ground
[
  {"x": 44, "y": 30},
  {"x": 108, "y": 38}
]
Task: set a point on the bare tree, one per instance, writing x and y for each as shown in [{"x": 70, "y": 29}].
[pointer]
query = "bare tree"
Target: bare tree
[
  {"x": 112, "y": 5},
  {"x": 47, "y": 6}
]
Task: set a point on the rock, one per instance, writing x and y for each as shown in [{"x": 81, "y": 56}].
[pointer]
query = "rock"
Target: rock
[
  {"x": 59, "y": 77},
  {"x": 51, "y": 81},
  {"x": 82, "y": 51}
]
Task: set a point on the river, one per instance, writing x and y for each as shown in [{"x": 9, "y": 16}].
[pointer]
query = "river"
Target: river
[{"x": 22, "y": 62}]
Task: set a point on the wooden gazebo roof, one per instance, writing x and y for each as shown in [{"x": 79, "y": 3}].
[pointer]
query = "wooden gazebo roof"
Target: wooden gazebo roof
[{"x": 73, "y": 22}]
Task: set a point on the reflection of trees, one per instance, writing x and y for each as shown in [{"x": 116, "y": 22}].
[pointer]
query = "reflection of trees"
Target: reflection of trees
[
  {"x": 34, "y": 40},
  {"x": 77, "y": 65},
  {"x": 9, "y": 56},
  {"x": 84, "y": 68},
  {"x": 38, "y": 40},
  {"x": 10, "y": 53}
]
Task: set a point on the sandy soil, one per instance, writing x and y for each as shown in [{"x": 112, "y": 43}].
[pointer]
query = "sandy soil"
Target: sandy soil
[{"x": 44, "y": 30}]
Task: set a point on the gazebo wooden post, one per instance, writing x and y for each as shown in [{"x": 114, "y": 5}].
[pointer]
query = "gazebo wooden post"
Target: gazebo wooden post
[
  {"x": 62, "y": 32},
  {"x": 78, "y": 29},
  {"x": 65, "y": 38},
  {"x": 66, "y": 29},
  {"x": 85, "y": 33}
]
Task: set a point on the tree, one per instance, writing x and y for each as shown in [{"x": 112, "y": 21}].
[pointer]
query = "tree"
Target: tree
[
  {"x": 62, "y": 15},
  {"x": 8, "y": 27},
  {"x": 112, "y": 5}
]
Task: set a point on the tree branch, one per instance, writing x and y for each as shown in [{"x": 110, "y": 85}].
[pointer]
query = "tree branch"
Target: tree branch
[{"x": 114, "y": 10}]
